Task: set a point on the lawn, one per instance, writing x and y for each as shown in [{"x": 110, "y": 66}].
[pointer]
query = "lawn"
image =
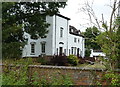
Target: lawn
[
  {"x": 95, "y": 66},
  {"x": 85, "y": 65}
]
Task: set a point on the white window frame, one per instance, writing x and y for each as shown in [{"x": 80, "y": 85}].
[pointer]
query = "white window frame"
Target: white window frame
[
  {"x": 72, "y": 50},
  {"x": 78, "y": 40},
  {"x": 61, "y": 32},
  {"x": 65, "y": 51},
  {"x": 75, "y": 39},
  {"x": 32, "y": 48},
  {"x": 42, "y": 47}
]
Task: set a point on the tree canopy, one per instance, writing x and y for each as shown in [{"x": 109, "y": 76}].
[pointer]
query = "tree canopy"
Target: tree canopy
[
  {"x": 110, "y": 43},
  {"x": 90, "y": 39},
  {"x": 29, "y": 17}
]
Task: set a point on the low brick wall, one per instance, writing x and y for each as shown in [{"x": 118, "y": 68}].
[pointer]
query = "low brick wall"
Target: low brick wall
[{"x": 80, "y": 76}]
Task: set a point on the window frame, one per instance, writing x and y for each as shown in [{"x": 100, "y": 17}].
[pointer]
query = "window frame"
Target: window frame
[
  {"x": 32, "y": 48},
  {"x": 43, "y": 47},
  {"x": 61, "y": 32},
  {"x": 75, "y": 39}
]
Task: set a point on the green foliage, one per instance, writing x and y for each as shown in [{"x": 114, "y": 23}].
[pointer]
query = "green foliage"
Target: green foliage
[
  {"x": 52, "y": 81},
  {"x": 18, "y": 74},
  {"x": 42, "y": 61},
  {"x": 110, "y": 44},
  {"x": 18, "y": 18},
  {"x": 90, "y": 40},
  {"x": 72, "y": 59},
  {"x": 63, "y": 80},
  {"x": 90, "y": 36},
  {"x": 87, "y": 52},
  {"x": 112, "y": 79},
  {"x": 13, "y": 50}
]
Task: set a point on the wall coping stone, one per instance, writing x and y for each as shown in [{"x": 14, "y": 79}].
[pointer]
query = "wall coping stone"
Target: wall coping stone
[{"x": 63, "y": 67}]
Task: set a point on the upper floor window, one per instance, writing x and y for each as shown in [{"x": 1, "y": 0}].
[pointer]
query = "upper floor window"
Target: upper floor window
[
  {"x": 75, "y": 40},
  {"x": 43, "y": 36},
  {"x": 61, "y": 32},
  {"x": 78, "y": 40}
]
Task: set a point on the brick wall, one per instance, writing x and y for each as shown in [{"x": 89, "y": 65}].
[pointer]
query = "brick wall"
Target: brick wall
[{"x": 80, "y": 76}]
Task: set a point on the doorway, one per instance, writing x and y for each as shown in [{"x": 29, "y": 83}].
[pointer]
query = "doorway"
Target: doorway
[{"x": 60, "y": 50}]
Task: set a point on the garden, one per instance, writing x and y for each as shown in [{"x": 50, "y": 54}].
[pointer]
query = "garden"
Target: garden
[{"x": 18, "y": 72}]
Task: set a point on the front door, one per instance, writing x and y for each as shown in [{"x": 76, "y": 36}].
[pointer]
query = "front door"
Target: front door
[{"x": 60, "y": 50}]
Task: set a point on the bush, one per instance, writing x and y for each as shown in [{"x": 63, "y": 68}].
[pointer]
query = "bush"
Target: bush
[
  {"x": 42, "y": 61},
  {"x": 112, "y": 79},
  {"x": 18, "y": 74},
  {"x": 81, "y": 60},
  {"x": 51, "y": 80},
  {"x": 73, "y": 60},
  {"x": 59, "y": 60}
]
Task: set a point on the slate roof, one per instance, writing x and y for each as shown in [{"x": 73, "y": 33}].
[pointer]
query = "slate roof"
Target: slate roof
[{"x": 74, "y": 31}]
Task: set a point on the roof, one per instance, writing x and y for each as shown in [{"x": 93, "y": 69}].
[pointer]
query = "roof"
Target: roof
[
  {"x": 63, "y": 16},
  {"x": 74, "y": 31},
  {"x": 43, "y": 13}
]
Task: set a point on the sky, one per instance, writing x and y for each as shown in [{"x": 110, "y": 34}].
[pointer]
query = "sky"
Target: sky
[{"x": 78, "y": 18}]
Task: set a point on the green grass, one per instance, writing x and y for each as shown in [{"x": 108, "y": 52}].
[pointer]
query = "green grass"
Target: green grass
[
  {"x": 86, "y": 65},
  {"x": 96, "y": 66}
]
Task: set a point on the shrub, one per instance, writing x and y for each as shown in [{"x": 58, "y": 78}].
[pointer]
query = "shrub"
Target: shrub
[
  {"x": 73, "y": 60},
  {"x": 112, "y": 79},
  {"x": 42, "y": 61},
  {"x": 18, "y": 74},
  {"x": 81, "y": 60},
  {"x": 51, "y": 80},
  {"x": 59, "y": 60}
]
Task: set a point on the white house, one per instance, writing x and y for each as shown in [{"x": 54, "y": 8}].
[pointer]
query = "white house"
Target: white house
[
  {"x": 119, "y": 9},
  {"x": 62, "y": 38}
]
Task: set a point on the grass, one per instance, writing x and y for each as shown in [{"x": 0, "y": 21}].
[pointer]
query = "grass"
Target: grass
[
  {"x": 85, "y": 65},
  {"x": 96, "y": 66}
]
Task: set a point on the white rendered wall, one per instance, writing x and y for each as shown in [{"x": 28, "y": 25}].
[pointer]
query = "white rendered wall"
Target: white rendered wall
[
  {"x": 27, "y": 48},
  {"x": 48, "y": 44},
  {"x": 53, "y": 39},
  {"x": 78, "y": 44},
  {"x": 60, "y": 22}
]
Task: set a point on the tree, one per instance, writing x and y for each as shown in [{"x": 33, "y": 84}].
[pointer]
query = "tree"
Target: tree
[
  {"x": 31, "y": 16},
  {"x": 110, "y": 44},
  {"x": 90, "y": 40},
  {"x": 109, "y": 41}
]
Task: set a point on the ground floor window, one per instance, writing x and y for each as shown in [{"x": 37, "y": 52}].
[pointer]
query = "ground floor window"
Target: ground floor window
[
  {"x": 65, "y": 51},
  {"x": 57, "y": 51},
  {"x": 43, "y": 47},
  {"x": 72, "y": 50},
  {"x": 69, "y": 51},
  {"x": 32, "y": 48}
]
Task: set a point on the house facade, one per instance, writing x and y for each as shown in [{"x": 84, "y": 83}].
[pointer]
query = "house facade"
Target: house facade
[{"x": 61, "y": 39}]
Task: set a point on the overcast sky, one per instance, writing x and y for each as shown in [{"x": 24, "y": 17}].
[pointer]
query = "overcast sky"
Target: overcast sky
[{"x": 78, "y": 18}]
